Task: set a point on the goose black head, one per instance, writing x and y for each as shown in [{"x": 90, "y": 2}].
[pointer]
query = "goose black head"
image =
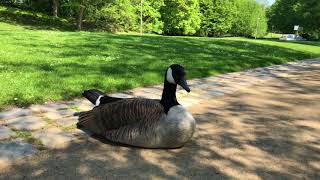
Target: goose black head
[{"x": 176, "y": 75}]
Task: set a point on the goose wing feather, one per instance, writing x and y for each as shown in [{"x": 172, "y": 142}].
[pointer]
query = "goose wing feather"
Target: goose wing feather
[{"x": 126, "y": 112}]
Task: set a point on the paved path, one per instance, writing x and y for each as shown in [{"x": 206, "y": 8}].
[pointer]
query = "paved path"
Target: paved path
[{"x": 262, "y": 123}]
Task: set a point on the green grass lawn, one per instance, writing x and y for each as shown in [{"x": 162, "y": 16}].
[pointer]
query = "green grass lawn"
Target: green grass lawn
[{"x": 42, "y": 65}]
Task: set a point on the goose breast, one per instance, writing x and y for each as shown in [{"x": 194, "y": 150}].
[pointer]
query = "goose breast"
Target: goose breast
[{"x": 177, "y": 127}]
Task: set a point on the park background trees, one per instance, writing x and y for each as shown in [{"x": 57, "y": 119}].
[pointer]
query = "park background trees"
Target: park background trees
[
  {"x": 217, "y": 17},
  {"x": 284, "y": 14},
  {"x": 213, "y": 18}
]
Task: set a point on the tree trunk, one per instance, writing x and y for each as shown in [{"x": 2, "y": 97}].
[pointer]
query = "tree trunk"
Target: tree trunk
[
  {"x": 55, "y": 4},
  {"x": 80, "y": 17}
]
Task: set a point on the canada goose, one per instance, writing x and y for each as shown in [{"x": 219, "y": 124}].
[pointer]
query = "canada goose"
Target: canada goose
[{"x": 142, "y": 122}]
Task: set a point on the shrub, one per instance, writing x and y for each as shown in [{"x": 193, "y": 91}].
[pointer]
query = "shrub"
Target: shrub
[
  {"x": 181, "y": 17},
  {"x": 217, "y": 17},
  {"x": 250, "y": 19},
  {"x": 119, "y": 15},
  {"x": 152, "y": 22}
]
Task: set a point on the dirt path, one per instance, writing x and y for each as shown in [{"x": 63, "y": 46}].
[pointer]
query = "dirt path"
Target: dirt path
[{"x": 267, "y": 131}]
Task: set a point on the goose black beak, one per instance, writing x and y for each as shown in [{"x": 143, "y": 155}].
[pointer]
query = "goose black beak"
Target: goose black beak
[{"x": 183, "y": 83}]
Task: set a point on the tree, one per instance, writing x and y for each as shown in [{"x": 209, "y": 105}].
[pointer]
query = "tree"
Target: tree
[
  {"x": 83, "y": 6},
  {"x": 152, "y": 21},
  {"x": 181, "y": 17},
  {"x": 55, "y": 5},
  {"x": 310, "y": 12},
  {"x": 117, "y": 15},
  {"x": 124, "y": 15},
  {"x": 250, "y": 19},
  {"x": 217, "y": 17},
  {"x": 284, "y": 14}
]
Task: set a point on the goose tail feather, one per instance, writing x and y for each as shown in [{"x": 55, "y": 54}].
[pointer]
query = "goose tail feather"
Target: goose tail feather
[
  {"x": 85, "y": 116},
  {"x": 88, "y": 120}
]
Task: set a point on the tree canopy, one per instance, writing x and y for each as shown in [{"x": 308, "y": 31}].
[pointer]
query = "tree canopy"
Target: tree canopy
[
  {"x": 169, "y": 17},
  {"x": 250, "y": 19},
  {"x": 180, "y": 17},
  {"x": 284, "y": 14},
  {"x": 217, "y": 17}
]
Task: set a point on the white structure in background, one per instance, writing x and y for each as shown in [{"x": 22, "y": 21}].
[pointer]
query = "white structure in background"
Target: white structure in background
[{"x": 293, "y": 37}]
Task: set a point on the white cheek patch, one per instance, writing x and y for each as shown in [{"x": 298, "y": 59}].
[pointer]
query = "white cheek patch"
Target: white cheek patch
[{"x": 170, "y": 77}]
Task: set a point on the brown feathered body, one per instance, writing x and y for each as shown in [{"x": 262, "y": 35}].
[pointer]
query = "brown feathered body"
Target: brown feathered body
[{"x": 140, "y": 122}]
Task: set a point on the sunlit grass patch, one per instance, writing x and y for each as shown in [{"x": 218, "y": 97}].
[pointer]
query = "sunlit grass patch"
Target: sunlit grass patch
[{"x": 38, "y": 66}]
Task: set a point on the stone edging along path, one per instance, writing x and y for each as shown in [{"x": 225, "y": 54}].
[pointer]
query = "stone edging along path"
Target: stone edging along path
[{"x": 23, "y": 132}]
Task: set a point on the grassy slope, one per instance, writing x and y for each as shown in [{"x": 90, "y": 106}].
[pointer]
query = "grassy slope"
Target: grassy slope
[
  {"x": 33, "y": 20},
  {"x": 41, "y": 65}
]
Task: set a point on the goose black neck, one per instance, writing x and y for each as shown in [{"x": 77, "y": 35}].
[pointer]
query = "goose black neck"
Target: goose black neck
[{"x": 169, "y": 98}]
